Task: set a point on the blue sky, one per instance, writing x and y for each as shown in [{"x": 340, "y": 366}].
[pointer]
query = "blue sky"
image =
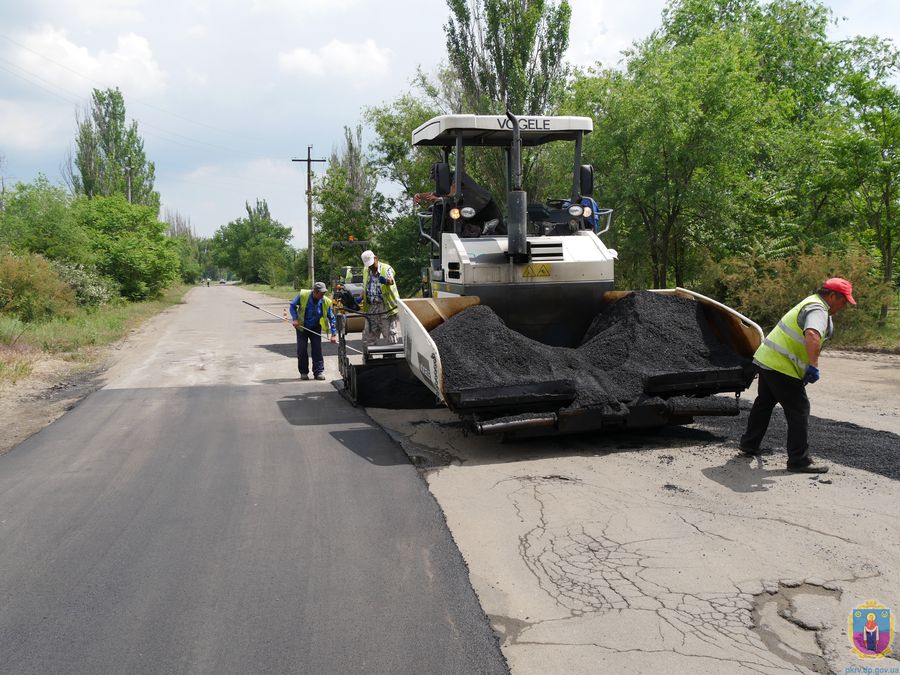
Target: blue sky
[{"x": 226, "y": 93}]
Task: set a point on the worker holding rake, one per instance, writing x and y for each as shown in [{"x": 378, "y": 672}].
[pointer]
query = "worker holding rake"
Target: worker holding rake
[{"x": 311, "y": 314}]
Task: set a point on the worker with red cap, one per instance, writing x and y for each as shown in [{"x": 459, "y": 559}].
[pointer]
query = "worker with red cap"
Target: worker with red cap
[{"x": 787, "y": 361}]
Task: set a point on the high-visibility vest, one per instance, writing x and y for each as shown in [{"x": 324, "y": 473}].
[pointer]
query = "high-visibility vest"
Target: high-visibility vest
[
  {"x": 784, "y": 349},
  {"x": 326, "y": 305},
  {"x": 388, "y": 291}
]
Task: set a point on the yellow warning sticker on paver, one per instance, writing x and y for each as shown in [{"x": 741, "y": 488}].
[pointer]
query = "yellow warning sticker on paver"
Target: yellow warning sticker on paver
[{"x": 536, "y": 270}]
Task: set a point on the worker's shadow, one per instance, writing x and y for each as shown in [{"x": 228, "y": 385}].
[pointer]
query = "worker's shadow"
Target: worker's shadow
[
  {"x": 369, "y": 442},
  {"x": 317, "y": 408},
  {"x": 742, "y": 474}
]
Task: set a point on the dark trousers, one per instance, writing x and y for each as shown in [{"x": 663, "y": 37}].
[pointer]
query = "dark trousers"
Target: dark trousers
[
  {"x": 315, "y": 340},
  {"x": 775, "y": 387}
]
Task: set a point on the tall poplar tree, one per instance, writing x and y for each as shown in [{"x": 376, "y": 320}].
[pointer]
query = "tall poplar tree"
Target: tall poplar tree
[
  {"x": 508, "y": 54},
  {"x": 109, "y": 153}
]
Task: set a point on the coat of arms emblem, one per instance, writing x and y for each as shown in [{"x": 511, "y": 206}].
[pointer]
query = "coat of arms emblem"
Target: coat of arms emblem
[{"x": 871, "y": 630}]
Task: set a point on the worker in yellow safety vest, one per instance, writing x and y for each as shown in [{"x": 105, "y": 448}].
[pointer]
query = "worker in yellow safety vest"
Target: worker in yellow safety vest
[
  {"x": 788, "y": 360},
  {"x": 380, "y": 301},
  {"x": 311, "y": 314}
]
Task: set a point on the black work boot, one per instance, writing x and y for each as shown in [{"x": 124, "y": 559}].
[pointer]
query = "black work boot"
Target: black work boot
[{"x": 809, "y": 468}]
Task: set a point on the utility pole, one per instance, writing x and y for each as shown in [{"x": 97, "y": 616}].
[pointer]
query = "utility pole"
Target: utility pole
[{"x": 309, "y": 228}]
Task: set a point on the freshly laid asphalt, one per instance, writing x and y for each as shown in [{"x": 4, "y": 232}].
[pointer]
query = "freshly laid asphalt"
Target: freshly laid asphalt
[{"x": 207, "y": 512}]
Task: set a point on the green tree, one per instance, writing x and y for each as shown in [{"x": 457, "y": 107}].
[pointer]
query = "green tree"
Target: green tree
[
  {"x": 675, "y": 138},
  {"x": 256, "y": 247},
  {"x": 399, "y": 162},
  {"x": 393, "y": 155},
  {"x": 348, "y": 204},
  {"x": 129, "y": 244},
  {"x": 795, "y": 66},
  {"x": 400, "y": 245},
  {"x": 863, "y": 158},
  {"x": 508, "y": 54},
  {"x": 38, "y": 219},
  {"x": 109, "y": 156},
  {"x": 180, "y": 232}
]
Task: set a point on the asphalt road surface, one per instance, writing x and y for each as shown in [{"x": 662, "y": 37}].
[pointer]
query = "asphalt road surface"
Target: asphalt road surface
[{"x": 205, "y": 511}]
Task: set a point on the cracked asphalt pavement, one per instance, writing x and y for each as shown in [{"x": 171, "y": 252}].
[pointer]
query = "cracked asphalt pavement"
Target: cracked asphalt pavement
[{"x": 671, "y": 551}]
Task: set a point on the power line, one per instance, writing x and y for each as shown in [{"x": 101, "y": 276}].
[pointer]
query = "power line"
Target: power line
[{"x": 35, "y": 84}]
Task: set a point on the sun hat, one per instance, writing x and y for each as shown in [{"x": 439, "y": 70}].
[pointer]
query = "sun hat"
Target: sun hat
[
  {"x": 368, "y": 258},
  {"x": 841, "y": 286},
  {"x": 320, "y": 287}
]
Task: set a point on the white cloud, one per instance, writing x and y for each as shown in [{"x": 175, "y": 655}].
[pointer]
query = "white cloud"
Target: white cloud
[
  {"x": 30, "y": 126},
  {"x": 302, "y": 61},
  {"x": 96, "y": 13},
  {"x": 361, "y": 61},
  {"x": 51, "y": 56},
  {"x": 301, "y": 6}
]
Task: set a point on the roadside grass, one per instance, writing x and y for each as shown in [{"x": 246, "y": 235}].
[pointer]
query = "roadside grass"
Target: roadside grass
[
  {"x": 872, "y": 337},
  {"x": 15, "y": 362},
  {"x": 21, "y": 344},
  {"x": 869, "y": 336},
  {"x": 285, "y": 292}
]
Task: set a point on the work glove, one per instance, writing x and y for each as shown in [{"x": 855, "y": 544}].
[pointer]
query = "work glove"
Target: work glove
[
  {"x": 812, "y": 375},
  {"x": 382, "y": 280}
]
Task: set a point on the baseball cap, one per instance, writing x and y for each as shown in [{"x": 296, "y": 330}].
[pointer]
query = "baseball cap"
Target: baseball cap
[
  {"x": 320, "y": 287},
  {"x": 841, "y": 286},
  {"x": 368, "y": 258}
]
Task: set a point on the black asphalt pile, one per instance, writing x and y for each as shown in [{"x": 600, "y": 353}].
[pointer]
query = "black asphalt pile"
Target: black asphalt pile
[
  {"x": 642, "y": 334},
  {"x": 646, "y": 334},
  {"x": 649, "y": 333},
  {"x": 479, "y": 351}
]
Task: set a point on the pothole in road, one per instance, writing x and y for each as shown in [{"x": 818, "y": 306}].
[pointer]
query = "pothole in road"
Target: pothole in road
[{"x": 787, "y": 622}]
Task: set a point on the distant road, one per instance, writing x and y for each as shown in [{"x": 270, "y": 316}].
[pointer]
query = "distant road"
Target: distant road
[{"x": 207, "y": 512}]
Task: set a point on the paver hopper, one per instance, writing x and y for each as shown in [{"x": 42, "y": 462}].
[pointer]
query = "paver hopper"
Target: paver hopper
[{"x": 543, "y": 407}]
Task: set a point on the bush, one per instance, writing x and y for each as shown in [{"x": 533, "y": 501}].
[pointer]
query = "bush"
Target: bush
[
  {"x": 91, "y": 289},
  {"x": 31, "y": 290},
  {"x": 764, "y": 290},
  {"x": 130, "y": 245}
]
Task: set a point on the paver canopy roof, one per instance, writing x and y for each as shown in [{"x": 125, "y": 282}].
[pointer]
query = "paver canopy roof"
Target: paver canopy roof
[{"x": 497, "y": 130}]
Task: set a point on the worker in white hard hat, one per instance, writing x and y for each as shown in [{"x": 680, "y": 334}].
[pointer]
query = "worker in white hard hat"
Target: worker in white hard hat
[{"x": 380, "y": 301}]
